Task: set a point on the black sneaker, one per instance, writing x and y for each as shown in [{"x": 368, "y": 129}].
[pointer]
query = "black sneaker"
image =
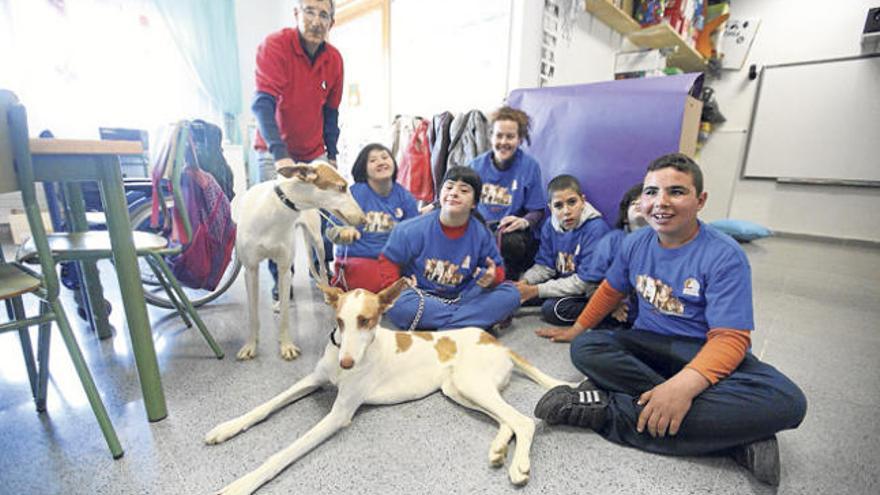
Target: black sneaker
[
  {"x": 761, "y": 458},
  {"x": 583, "y": 406}
]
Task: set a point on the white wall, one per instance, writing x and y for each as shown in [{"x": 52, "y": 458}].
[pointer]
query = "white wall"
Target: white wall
[
  {"x": 589, "y": 55},
  {"x": 790, "y": 31},
  {"x": 254, "y": 20}
]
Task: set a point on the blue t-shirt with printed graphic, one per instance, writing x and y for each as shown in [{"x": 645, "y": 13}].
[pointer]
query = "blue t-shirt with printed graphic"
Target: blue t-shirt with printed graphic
[
  {"x": 515, "y": 191},
  {"x": 567, "y": 252},
  {"x": 688, "y": 290},
  {"x": 442, "y": 266},
  {"x": 603, "y": 255},
  {"x": 382, "y": 215}
]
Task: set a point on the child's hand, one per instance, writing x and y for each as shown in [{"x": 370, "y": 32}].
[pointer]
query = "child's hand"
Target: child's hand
[
  {"x": 526, "y": 291},
  {"x": 348, "y": 235},
  {"x": 485, "y": 276},
  {"x": 512, "y": 223},
  {"x": 621, "y": 313},
  {"x": 557, "y": 334}
]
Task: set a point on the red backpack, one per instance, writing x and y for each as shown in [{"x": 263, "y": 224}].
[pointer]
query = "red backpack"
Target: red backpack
[{"x": 204, "y": 257}]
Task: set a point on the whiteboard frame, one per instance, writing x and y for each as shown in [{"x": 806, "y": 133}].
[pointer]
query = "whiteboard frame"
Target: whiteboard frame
[{"x": 798, "y": 180}]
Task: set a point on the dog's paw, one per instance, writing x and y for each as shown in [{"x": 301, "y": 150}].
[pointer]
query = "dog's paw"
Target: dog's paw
[
  {"x": 221, "y": 433},
  {"x": 289, "y": 351},
  {"x": 247, "y": 351},
  {"x": 519, "y": 473},
  {"x": 497, "y": 456}
]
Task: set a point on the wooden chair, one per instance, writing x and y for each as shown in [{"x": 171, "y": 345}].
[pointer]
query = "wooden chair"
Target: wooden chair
[{"x": 17, "y": 280}]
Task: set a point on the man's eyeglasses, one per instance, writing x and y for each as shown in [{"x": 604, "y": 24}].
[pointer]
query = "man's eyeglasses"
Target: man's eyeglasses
[{"x": 312, "y": 14}]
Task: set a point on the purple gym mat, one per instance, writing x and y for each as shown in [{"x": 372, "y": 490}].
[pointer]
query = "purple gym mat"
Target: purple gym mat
[{"x": 607, "y": 133}]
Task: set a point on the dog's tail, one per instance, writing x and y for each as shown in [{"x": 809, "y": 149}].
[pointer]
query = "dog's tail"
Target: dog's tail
[{"x": 534, "y": 373}]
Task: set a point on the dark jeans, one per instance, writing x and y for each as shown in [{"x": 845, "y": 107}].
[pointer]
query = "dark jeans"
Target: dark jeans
[
  {"x": 753, "y": 403},
  {"x": 563, "y": 311}
]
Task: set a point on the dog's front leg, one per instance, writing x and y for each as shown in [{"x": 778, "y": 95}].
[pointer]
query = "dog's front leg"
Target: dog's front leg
[
  {"x": 252, "y": 283},
  {"x": 339, "y": 417},
  {"x": 300, "y": 389},
  {"x": 288, "y": 349}
]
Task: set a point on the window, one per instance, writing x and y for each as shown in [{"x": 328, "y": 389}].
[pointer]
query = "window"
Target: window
[{"x": 78, "y": 65}]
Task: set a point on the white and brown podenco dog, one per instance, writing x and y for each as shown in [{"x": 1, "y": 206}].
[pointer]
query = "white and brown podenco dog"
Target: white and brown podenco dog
[
  {"x": 370, "y": 364},
  {"x": 265, "y": 216}
]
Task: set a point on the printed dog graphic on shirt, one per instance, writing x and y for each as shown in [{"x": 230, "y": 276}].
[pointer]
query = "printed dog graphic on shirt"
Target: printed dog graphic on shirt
[
  {"x": 659, "y": 295},
  {"x": 442, "y": 272},
  {"x": 493, "y": 194},
  {"x": 564, "y": 262},
  {"x": 378, "y": 221}
]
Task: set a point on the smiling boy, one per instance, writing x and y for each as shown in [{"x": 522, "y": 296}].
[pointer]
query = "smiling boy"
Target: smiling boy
[{"x": 683, "y": 381}]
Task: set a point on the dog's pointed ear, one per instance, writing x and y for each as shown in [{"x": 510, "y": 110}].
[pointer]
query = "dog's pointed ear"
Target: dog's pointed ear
[
  {"x": 331, "y": 294},
  {"x": 390, "y": 294},
  {"x": 301, "y": 171}
]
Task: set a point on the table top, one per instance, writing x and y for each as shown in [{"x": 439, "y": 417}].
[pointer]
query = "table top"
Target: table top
[{"x": 53, "y": 146}]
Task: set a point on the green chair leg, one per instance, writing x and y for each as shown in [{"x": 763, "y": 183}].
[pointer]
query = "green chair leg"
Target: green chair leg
[
  {"x": 170, "y": 292},
  {"x": 43, "y": 340},
  {"x": 95, "y": 296},
  {"x": 16, "y": 312},
  {"x": 172, "y": 280},
  {"x": 87, "y": 382}
]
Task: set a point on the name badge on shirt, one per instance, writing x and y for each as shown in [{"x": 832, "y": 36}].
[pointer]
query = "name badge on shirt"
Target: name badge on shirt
[
  {"x": 466, "y": 263},
  {"x": 691, "y": 287},
  {"x": 513, "y": 185}
]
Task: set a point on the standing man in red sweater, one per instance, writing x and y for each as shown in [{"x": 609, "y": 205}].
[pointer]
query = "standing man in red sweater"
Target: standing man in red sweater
[{"x": 299, "y": 81}]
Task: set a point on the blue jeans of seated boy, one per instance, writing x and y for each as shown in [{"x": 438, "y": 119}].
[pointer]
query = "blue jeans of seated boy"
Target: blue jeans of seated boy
[
  {"x": 477, "y": 307},
  {"x": 753, "y": 403}
]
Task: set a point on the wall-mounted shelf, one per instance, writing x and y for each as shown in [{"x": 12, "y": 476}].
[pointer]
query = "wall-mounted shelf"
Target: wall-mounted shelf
[
  {"x": 657, "y": 36},
  {"x": 606, "y": 12},
  {"x": 662, "y": 36}
]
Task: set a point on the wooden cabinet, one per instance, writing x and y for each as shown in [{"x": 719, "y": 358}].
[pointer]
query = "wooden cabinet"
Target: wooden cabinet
[{"x": 657, "y": 36}]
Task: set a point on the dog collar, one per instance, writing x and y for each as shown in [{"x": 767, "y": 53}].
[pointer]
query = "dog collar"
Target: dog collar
[
  {"x": 332, "y": 338},
  {"x": 284, "y": 199}
]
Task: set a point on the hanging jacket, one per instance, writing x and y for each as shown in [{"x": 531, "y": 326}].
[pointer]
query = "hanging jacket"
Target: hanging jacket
[
  {"x": 414, "y": 166},
  {"x": 469, "y": 137},
  {"x": 438, "y": 140}
]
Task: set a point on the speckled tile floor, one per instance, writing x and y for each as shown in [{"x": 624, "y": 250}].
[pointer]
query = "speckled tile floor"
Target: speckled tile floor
[{"x": 817, "y": 306}]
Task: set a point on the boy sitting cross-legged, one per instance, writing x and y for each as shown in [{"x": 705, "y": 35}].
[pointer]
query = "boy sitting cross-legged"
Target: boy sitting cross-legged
[
  {"x": 568, "y": 241},
  {"x": 682, "y": 381}
]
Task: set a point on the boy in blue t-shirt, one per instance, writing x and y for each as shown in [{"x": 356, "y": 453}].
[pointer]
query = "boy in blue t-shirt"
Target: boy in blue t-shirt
[
  {"x": 568, "y": 241},
  {"x": 684, "y": 370},
  {"x": 453, "y": 258}
]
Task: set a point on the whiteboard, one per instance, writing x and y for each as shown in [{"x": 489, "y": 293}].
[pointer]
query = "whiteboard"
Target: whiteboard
[{"x": 817, "y": 121}]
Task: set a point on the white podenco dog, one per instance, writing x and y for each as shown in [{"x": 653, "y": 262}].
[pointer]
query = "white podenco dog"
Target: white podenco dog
[
  {"x": 373, "y": 365},
  {"x": 265, "y": 216}
]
